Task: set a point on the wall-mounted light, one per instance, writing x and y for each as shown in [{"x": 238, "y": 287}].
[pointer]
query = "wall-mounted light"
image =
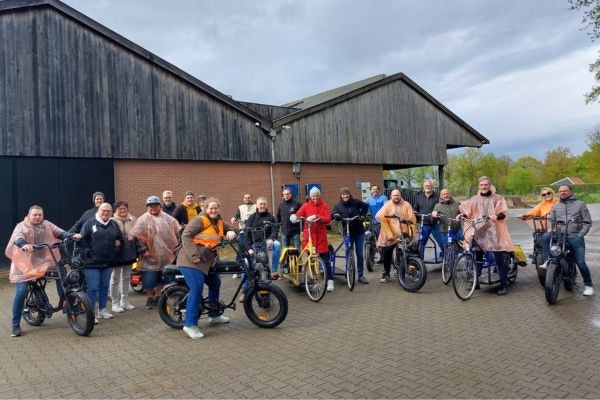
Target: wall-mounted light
[{"x": 296, "y": 169}]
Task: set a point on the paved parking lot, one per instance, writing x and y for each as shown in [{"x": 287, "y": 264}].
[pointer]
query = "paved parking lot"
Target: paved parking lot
[{"x": 375, "y": 342}]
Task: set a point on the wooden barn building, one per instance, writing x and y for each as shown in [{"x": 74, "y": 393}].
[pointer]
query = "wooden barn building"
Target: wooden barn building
[{"x": 83, "y": 109}]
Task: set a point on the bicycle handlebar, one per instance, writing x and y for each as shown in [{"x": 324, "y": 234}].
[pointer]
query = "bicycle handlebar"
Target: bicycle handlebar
[{"x": 402, "y": 221}]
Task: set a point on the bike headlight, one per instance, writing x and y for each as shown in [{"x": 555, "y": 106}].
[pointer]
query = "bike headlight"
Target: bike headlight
[
  {"x": 74, "y": 277},
  {"x": 261, "y": 257},
  {"x": 555, "y": 251}
]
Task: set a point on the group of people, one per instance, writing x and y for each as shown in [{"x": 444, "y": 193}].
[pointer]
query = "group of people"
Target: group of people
[{"x": 110, "y": 239}]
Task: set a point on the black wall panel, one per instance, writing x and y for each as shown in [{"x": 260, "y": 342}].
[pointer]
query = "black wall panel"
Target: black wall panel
[{"x": 62, "y": 186}]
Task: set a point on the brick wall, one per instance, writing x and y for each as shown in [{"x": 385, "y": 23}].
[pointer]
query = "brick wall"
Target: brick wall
[{"x": 135, "y": 180}]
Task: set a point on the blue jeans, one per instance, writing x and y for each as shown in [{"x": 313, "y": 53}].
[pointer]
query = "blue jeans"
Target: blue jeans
[
  {"x": 195, "y": 280},
  {"x": 358, "y": 242},
  {"x": 97, "y": 281},
  {"x": 19, "y": 302},
  {"x": 437, "y": 235},
  {"x": 578, "y": 246},
  {"x": 290, "y": 240}
]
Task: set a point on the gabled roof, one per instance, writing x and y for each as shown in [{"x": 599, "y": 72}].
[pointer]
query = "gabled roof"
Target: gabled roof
[
  {"x": 323, "y": 100},
  {"x": 16, "y": 5},
  {"x": 568, "y": 180}
]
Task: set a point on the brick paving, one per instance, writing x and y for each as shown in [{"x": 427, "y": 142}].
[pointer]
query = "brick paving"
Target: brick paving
[{"x": 375, "y": 342}]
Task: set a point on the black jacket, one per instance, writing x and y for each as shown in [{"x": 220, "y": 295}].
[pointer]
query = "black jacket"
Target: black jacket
[
  {"x": 350, "y": 209},
  {"x": 287, "y": 208},
  {"x": 170, "y": 209},
  {"x": 256, "y": 220},
  {"x": 181, "y": 215},
  {"x": 87, "y": 215},
  {"x": 424, "y": 205},
  {"x": 98, "y": 244}
]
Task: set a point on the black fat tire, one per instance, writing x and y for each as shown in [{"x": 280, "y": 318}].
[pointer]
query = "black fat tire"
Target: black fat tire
[
  {"x": 538, "y": 260},
  {"x": 464, "y": 277},
  {"x": 80, "y": 313},
  {"x": 552, "y": 286},
  {"x": 171, "y": 305},
  {"x": 315, "y": 278},
  {"x": 34, "y": 302},
  {"x": 369, "y": 254},
  {"x": 351, "y": 270},
  {"x": 448, "y": 262},
  {"x": 265, "y": 305},
  {"x": 412, "y": 275}
]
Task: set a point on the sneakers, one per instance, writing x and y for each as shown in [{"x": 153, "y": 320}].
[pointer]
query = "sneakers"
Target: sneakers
[
  {"x": 363, "y": 280},
  {"x": 104, "y": 314},
  {"x": 95, "y": 320},
  {"x": 544, "y": 265},
  {"x": 501, "y": 292},
  {"x": 235, "y": 276},
  {"x": 385, "y": 277},
  {"x": 242, "y": 297},
  {"x": 221, "y": 319},
  {"x": 155, "y": 301},
  {"x": 16, "y": 330},
  {"x": 149, "y": 304},
  {"x": 588, "y": 291},
  {"x": 330, "y": 285},
  {"x": 126, "y": 306},
  {"x": 116, "y": 307},
  {"x": 193, "y": 332}
]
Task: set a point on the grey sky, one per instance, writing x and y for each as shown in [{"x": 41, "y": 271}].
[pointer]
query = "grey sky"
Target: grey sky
[{"x": 515, "y": 70}]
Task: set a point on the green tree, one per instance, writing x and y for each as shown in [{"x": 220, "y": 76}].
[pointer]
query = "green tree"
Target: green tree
[
  {"x": 558, "y": 163},
  {"x": 463, "y": 170},
  {"x": 588, "y": 164},
  {"x": 532, "y": 164},
  {"x": 591, "y": 22},
  {"x": 520, "y": 180}
]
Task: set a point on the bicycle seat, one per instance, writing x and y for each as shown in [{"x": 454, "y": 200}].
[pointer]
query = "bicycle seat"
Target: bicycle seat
[
  {"x": 293, "y": 252},
  {"x": 227, "y": 267},
  {"x": 171, "y": 270}
]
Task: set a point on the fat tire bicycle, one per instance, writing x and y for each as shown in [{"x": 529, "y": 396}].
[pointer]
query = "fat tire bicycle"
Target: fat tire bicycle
[
  {"x": 370, "y": 251},
  {"x": 73, "y": 301}
]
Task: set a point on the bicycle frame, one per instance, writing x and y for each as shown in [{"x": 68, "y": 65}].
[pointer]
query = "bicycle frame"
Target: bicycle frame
[
  {"x": 423, "y": 246},
  {"x": 348, "y": 257}
]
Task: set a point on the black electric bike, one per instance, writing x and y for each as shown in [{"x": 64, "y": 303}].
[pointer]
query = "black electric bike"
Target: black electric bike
[
  {"x": 561, "y": 263},
  {"x": 410, "y": 268},
  {"x": 265, "y": 304},
  {"x": 73, "y": 301}
]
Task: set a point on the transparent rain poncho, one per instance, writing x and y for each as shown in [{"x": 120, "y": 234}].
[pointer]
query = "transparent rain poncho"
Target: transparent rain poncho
[{"x": 159, "y": 235}]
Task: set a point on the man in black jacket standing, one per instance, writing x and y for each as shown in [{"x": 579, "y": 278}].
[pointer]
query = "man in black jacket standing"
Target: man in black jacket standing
[
  {"x": 424, "y": 204},
  {"x": 290, "y": 232},
  {"x": 349, "y": 207}
]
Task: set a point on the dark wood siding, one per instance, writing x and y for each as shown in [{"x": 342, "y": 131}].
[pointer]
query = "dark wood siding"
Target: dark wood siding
[
  {"x": 72, "y": 92},
  {"x": 392, "y": 124}
]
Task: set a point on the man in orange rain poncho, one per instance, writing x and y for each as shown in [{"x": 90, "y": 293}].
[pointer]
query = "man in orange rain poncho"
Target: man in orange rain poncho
[
  {"x": 392, "y": 230},
  {"x": 158, "y": 231},
  {"x": 28, "y": 263},
  {"x": 492, "y": 232}
]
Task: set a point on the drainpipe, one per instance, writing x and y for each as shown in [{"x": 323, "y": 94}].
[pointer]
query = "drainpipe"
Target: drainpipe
[{"x": 272, "y": 135}]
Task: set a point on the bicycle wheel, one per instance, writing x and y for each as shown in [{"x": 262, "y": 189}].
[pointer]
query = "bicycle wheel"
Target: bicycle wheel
[
  {"x": 315, "y": 278},
  {"x": 368, "y": 255},
  {"x": 464, "y": 276},
  {"x": 448, "y": 262},
  {"x": 35, "y": 302},
  {"x": 552, "y": 286},
  {"x": 80, "y": 313},
  {"x": 351, "y": 270},
  {"x": 513, "y": 270},
  {"x": 412, "y": 274},
  {"x": 265, "y": 305},
  {"x": 171, "y": 305}
]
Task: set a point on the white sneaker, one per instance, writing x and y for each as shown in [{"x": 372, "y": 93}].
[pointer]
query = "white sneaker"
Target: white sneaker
[
  {"x": 544, "y": 265},
  {"x": 127, "y": 306},
  {"x": 95, "y": 321},
  {"x": 117, "y": 308},
  {"x": 193, "y": 332},
  {"x": 104, "y": 314},
  {"x": 588, "y": 291},
  {"x": 235, "y": 276},
  {"x": 221, "y": 319},
  {"x": 330, "y": 285}
]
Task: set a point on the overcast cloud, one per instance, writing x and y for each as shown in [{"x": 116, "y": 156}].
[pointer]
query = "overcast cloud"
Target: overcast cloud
[{"x": 515, "y": 70}]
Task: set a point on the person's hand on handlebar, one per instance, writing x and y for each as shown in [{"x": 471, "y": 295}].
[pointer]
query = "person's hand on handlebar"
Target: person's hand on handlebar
[
  {"x": 312, "y": 218},
  {"x": 230, "y": 235},
  {"x": 28, "y": 248},
  {"x": 337, "y": 217}
]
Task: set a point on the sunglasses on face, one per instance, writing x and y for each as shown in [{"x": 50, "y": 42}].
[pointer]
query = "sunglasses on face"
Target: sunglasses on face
[{"x": 547, "y": 194}]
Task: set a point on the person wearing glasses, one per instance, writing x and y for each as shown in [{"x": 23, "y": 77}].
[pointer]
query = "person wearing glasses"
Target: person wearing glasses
[
  {"x": 101, "y": 243},
  {"x": 547, "y": 201},
  {"x": 569, "y": 208}
]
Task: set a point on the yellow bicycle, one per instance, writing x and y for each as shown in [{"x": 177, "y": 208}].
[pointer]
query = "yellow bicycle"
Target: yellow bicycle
[{"x": 305, "y": 267}]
